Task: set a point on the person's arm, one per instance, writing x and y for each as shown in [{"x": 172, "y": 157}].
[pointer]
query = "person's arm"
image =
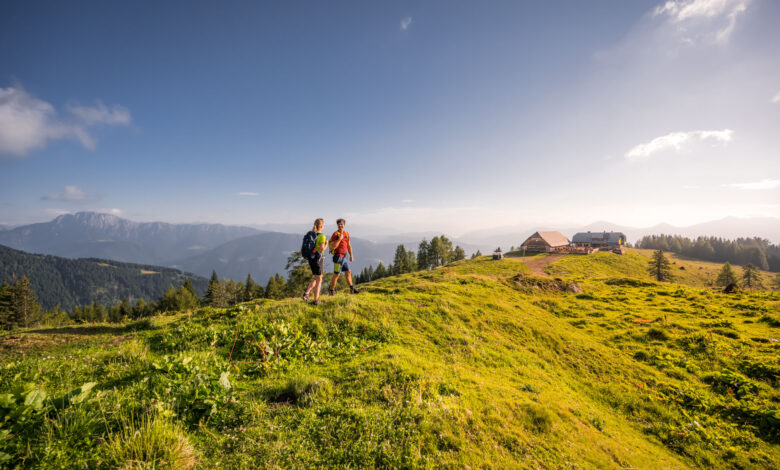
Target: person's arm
[{"x": 349, "y": 248}]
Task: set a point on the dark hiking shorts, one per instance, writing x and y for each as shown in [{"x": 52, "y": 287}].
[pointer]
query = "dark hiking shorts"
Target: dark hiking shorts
[
  {"x": 340, "y": 263},
  {"x": 317, "y": 265}
]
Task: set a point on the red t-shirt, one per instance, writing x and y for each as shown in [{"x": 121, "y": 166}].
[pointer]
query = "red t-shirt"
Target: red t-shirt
[{"x": 341, "y": 249}]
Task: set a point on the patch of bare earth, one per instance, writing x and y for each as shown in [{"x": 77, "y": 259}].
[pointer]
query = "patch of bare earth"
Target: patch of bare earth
[{"x": 537, "y": 265}]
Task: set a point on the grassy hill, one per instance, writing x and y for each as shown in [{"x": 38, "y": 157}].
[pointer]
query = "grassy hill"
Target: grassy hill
[{"x": 478, "y": 364}]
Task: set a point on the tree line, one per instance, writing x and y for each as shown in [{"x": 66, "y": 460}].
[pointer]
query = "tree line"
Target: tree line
[
  {"x": 742, "y": 251},
  {"x": 437, "y": 252}
]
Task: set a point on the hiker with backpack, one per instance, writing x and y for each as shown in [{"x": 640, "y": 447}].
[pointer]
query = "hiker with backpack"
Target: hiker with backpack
[
  {"x": 313, "y": 251},
  {"x": 340, "y": 247}
]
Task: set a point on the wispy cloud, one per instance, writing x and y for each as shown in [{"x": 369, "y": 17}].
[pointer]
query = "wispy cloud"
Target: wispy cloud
[
  {"x": 407, "y": 201},
  {"x": 406, "y": 22},
  {"x": 28, "y": 123},
  {"x": 247, "y": 193},
  {"x": 100, "y": 114},
  {"x": 676, "y": 141},
  {"x": 70, "y": 194},
  {"x": 757, "y": 185},
  {"x": 776, "y": 98},
  {"x": 699, "y": 17}
]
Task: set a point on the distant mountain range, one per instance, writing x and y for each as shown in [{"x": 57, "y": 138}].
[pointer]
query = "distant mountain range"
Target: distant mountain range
[
  {"x": 71, "y": 282},
  {"x": 235, "y": 251},
  {"x": 90, "y": 234}
]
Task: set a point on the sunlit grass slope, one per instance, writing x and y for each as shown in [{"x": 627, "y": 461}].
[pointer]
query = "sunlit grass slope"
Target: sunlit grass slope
[{"x": 474, "y": 365}]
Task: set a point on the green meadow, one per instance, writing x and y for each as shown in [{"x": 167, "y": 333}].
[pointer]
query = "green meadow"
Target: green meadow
[{"x": 479, "y": 364}]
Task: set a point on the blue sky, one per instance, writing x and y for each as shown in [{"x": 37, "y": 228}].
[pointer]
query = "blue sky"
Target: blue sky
[{"x": 422, "y": 115}]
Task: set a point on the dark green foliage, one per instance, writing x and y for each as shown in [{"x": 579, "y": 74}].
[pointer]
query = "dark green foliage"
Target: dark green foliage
[
  {"x": 276, "y": 287},
  {"x": 659, "y": 267},
  {"x": 71, "y": 282},
  {"x": 751, "y": 278},
  {"x": 756, "y": 251},
  {"x": 459, "y": 254},
  {"x": 726, "y": 276}
]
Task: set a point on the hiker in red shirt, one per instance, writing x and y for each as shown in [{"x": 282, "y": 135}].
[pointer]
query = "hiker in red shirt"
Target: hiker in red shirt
[{"x": 340, "y": 247}]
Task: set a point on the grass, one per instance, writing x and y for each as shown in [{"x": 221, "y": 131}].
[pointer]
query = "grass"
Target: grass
[{"x": 466, "y": 365}]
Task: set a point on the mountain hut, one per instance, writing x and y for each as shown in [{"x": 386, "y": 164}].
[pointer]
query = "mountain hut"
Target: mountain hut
[{"x": 545, "y": 242}]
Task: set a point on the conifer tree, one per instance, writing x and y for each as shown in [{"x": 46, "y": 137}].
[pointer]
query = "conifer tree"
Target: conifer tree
[
  {"x": 99, "y": 312},
  {"x": 250, "y": 288},
  {"x": 24, "y": 303},
  {"x": 141, "y": 309},
  {"x": 212, "y": 291},
  {"x": 7, "y": 314},
  {"x": 751, "y": 278},
  {"x": 276, "y": 287},
  {"x": 380, "y": 271},
  {"x": 125, "y": 309},
  {"x": 188, "y": 285},
  {"x": 726, "y": 276},
  {"x": 659, "y": 267},
  {"x": 423, "y": 255},
  {"x": 458, "y": 254}
]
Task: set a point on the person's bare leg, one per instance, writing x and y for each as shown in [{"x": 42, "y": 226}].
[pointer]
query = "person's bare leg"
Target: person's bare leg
[
  {"x": 349, "y": 278},
  {"x": 334, "y": 282},
  {"x": 311, "y": 285},
  {"x": 318, "y": 284}
]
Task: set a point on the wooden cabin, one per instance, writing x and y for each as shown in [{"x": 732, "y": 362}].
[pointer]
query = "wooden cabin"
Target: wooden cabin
[
  {"x": 545, "y": 242},
  {"x": 599, "y": 239}
]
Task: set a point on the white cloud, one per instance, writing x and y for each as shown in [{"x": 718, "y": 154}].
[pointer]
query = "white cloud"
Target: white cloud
[
  {"x": 676, "y": 140},
  {"x": 698, "y": 17},
  {"x": 28, "y": 123},
  {"x": 407, "y": 201},
  {"x": 757, "y": 185},
  {"x": 71, "y": 194},
  {"x": 776, "y": 98},
  {"x": 100, "y": 114},
  {"x": 406, "y": 22},
  {"x": 247, "y": 193}
]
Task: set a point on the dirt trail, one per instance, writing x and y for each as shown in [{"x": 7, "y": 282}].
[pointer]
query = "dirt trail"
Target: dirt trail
[{"x": 537, "y": 265}]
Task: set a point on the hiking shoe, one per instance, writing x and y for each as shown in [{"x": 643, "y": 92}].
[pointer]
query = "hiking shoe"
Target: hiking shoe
[
  {"x": 305, "y": 297},
  {"x": 315, "y": 302},
  {"x": 353, "y": 290},
  {"x": 331, "y": 292}
]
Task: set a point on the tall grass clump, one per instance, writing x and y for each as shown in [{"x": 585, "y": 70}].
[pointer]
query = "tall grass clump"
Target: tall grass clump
[{"x": 151, "y": 442}]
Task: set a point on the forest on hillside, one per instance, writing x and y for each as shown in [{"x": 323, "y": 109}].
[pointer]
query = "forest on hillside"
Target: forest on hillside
[
  {"x": 72, "y": 282},
  {"x": 742, "y": 251}
]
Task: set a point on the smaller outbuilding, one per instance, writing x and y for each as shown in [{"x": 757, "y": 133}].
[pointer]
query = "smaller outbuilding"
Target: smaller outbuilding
[
  {"x": 545, "y": 242},
  {"x": 498, "y": 254}
]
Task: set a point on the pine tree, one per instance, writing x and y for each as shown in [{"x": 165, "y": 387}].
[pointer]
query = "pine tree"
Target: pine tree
[
  {"x": 751, "y": 278},
  {"x": 424, "y": 255},
  {"x": 212, "y": 291},
  {"x": 726, "y": 276},
  {"x": 250, "y": 287},
  {"x": 380, "y": 271},
  {"x": 7, "y": 314},
  {"x": 125, "y": 309},
  {"x": 141, "y": 309},
  {"x": 24, "y": 303},
  {"x": 99, "y": 312},
  {"x": 476, "y": 255},
  {"x": 401, "y": 261},
  {"x": 458, "y": 254},
  {"x": 188, "y": 285},
  {"x": 276, "y": 287},
  {"x": 659, "y": 267}
]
